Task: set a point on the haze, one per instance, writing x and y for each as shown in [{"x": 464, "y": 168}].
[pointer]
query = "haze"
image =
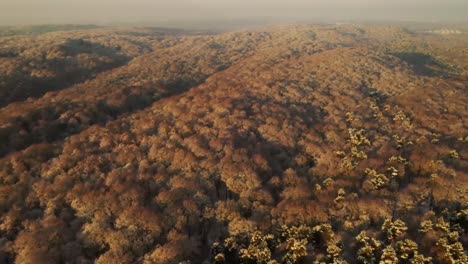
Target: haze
[{"x": 134, "y": 11}]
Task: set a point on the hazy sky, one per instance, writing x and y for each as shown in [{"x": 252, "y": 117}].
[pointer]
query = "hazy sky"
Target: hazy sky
[{"x": 105, "y": 11}]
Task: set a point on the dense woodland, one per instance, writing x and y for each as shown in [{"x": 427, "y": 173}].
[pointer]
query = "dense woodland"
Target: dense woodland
[{"x": 290, "y": 144}]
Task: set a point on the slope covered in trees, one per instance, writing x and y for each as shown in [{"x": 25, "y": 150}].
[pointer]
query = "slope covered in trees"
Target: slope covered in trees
[{"x": 294, "y": 144}]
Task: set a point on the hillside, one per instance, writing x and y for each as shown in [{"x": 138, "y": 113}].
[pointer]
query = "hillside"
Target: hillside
[{"x": 289, "y": 144}]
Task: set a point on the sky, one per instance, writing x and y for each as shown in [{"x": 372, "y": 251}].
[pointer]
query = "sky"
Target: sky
[{"x": 134, "y": 11}]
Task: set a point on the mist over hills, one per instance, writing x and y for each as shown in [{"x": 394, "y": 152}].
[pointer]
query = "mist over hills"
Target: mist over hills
[
  {"x": 284, "y": 144},
  {"x": 14, "y": 12}
]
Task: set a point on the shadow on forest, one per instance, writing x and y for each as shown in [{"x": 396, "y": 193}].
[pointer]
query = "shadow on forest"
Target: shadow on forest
[
  {"x": 19, "y": 87},
  {"x": 425, "y": 64},
  {"x": 278, "y": 155},
  {"x": 44, "y": 125}
]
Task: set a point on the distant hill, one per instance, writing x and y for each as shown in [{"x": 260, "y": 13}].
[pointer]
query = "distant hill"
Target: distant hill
[{"x": 40, "y": 29}]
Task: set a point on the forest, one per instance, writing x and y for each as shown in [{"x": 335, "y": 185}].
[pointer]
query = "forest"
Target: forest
[{"x": 283, "y": 144}]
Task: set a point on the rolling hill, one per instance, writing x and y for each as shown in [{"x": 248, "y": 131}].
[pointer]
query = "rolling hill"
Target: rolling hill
[{"x": 288, "y": 144}]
